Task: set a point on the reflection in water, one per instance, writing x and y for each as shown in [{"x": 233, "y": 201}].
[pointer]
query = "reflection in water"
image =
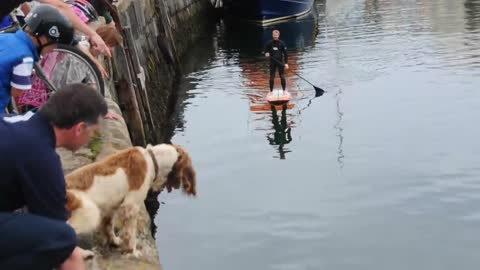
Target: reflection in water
[
  {"x": 372, "y": 16},
  {"x": 472, "y": 9},
  {"x": 339, "y": 128},
  {"x": 282, "y": 132}
]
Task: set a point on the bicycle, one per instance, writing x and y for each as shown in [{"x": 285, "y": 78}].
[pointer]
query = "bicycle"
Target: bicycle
[{"x": 63, "y": 53}]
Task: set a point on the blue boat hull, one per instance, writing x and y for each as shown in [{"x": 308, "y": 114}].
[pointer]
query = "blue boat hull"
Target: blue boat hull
[
  {"x": 267, "y": 10},
  {"x": 247, "y": 40}
]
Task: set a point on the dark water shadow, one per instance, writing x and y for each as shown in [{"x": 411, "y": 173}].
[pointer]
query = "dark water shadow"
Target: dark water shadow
[{"x": 282, "y": 133}]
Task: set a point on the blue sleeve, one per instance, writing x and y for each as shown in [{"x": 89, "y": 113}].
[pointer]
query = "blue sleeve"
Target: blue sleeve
[{"x": 43, "y": 184}]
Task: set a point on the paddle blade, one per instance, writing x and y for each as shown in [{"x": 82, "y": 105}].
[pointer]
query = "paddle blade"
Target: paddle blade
[{"x": 318, "y": 91}]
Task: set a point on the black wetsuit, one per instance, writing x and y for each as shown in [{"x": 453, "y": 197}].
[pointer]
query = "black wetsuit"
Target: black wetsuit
[{"x": 278, "y": 58}]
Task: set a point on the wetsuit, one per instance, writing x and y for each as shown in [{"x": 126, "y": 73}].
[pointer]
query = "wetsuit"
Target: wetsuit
[{"x": 278, "y": 58}]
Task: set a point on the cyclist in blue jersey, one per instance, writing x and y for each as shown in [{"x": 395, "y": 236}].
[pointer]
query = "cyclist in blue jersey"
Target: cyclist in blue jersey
[
  {"x": 8, "y": 6},
  {"x": 45, "y": 27}
]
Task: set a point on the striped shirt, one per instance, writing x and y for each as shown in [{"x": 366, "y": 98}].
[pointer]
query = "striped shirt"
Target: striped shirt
[
  {"x": 22, "y": 74},
  {"x": 17, "y": 56}
]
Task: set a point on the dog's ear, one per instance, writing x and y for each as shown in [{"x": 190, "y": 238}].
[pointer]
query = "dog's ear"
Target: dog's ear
[
  {"x": 189, "y": 180},
  {"x": 149, "y": 146},
  {"x": 186, "y": 171},
  {"x": 182, "y": 174}
]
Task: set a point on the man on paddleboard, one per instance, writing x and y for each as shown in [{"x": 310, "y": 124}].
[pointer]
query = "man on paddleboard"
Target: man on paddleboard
[{"x": 276, "y": 50}]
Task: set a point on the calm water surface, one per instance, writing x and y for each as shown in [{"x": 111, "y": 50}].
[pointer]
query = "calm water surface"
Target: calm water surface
[{"x": 381, "y": 172}]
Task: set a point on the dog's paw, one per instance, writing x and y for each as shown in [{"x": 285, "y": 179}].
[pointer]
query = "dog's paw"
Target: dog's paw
[
  {"x": 134, "y": 254},
  {"x": 116, "y": 241}
]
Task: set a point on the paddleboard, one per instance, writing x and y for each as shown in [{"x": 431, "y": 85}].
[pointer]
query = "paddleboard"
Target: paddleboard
[
  {"x": 268, "y": 107},
  {"x": 278, "y": 97}
]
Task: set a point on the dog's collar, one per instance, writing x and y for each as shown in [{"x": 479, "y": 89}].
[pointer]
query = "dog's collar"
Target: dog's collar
[{"x": 155, "y": 164}]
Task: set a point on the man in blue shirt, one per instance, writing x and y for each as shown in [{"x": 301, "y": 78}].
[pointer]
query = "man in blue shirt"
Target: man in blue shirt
[
  {"x": 46, "y": 27},
  {"x": 32, "y": 178}
]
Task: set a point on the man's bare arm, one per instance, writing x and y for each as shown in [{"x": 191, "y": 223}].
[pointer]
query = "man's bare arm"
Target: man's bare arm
[{"x": 95, "y": 39}]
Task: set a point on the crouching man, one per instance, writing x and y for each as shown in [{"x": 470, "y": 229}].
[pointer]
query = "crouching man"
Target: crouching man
[{"x": 31, "y": 176}]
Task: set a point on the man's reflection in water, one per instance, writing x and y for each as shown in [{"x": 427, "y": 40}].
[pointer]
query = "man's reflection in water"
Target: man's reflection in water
[{"x": 282, "y": 134}]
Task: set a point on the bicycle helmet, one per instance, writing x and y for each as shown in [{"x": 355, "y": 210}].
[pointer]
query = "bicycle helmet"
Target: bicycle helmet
[{"x": 47, "y": 20}]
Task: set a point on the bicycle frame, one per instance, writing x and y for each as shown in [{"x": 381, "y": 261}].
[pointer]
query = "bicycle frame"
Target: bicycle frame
[{"x": 39, "y": 72}]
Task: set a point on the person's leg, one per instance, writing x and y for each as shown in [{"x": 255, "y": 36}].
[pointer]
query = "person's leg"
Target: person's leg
[
  {"x": 33, "y": 242},
  {"x": 281, "y": 72},
  {"x": 273, "y": 66}
]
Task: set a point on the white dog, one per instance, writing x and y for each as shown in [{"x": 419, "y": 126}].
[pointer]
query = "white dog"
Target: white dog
[{"x": 117, "y": 187}]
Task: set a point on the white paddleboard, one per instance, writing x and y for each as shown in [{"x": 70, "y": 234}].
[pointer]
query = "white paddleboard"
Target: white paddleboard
[{"x": 277, "y": 97}]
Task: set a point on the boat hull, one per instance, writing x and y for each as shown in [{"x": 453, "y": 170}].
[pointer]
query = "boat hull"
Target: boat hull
[{"x": 267, "y": 11}]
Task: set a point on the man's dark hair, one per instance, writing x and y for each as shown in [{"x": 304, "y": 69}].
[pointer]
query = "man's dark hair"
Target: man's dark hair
[{"x": 73, "y": 104}]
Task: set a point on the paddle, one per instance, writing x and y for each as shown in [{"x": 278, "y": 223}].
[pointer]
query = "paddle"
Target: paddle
[{"x": 318, "y": 91}]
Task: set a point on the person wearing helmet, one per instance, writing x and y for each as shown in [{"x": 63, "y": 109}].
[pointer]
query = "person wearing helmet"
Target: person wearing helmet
[
  {"x": 8, "y": 6},
  {"x": 63, "y": 70},
  {"x": 47, "y": 21},
  {"x": 45, "y": 27}
]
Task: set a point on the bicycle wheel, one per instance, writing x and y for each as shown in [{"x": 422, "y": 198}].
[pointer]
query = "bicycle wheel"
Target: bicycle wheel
[{"x": 67, "y": 65}]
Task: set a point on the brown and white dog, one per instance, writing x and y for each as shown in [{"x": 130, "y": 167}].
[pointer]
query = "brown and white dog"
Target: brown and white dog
[{"x": 118, "y": 185}]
